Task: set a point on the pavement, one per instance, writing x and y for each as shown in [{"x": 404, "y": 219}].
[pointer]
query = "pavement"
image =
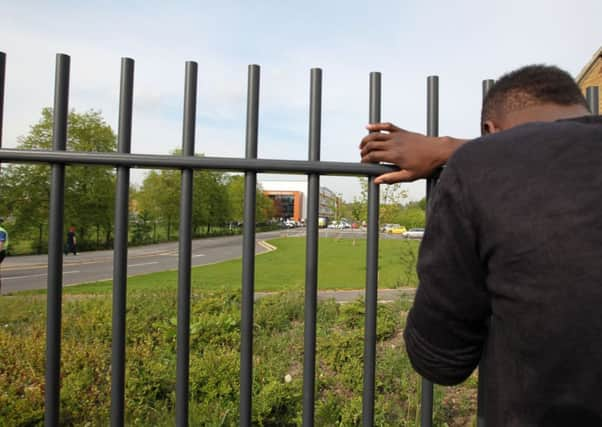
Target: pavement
[{"x": 385, "y": 296}]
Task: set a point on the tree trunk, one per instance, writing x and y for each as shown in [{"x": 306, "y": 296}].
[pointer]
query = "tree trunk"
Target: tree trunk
[
  {"x": 41, "y": 230},
  {"x": 97, "y": 236},
  {"x": 108, "y": 236},
  {"x": 168, "y": 229}
]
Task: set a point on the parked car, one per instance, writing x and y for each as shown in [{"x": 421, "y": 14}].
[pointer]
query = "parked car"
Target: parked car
[
  {"x": 393, "y": 229},
  {"x": 289, "y": 223},
  {"x": 400, "y": 229},
  {"x": 386, "y": 227},
  {"x": 414, "y": 233}
]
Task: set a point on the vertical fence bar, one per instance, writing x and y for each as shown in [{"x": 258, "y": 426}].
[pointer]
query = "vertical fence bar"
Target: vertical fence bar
[
  {"x": 432, "y": 129},
  {"x": 432, "y": 121},
  {"x": 2, "y": 82},
  {"x": 593, "y": 99},
  {"x": 55, "y": 244},
  {"x": 248, "y": 256},
  {"x": 120, "y": 249},
  {"x": 311, "y": 252},
  {"x": 371, "y": 270},
  {"x": 486, "y": 86},
  {"x": 185, "y": 248}
]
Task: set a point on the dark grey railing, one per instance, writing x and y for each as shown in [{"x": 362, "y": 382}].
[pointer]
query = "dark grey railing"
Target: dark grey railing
[{"x": 123, "y": 160}]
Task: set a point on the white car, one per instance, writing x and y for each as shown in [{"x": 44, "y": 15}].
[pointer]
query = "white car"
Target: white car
[{"x": 414, "y": 233}]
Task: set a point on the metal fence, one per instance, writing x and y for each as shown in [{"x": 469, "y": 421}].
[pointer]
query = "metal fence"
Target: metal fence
[{"x": 123, "y": 160}]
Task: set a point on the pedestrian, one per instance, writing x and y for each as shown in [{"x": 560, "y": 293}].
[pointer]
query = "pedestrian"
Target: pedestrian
[
  {"x": 514, "y": 236},
  {"x": 71, "y": 242},
  {"x": 3, "y": 241}
]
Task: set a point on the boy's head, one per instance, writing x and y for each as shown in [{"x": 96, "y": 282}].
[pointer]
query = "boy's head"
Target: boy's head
[{"x": 530, "y": 94}]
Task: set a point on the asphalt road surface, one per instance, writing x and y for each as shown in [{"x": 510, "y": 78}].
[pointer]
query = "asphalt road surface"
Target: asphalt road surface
[{"x": 30, "y": 272}]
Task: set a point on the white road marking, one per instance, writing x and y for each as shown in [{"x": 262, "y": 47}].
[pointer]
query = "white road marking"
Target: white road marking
[
  {"x": 36, "y": 275},
  {"x": 23, "y": 277},
  {"x": 144, "y": 263},
  {"x": 198, "y": 255}
]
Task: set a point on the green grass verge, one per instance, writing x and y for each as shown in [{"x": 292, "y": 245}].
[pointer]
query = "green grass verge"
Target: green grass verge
[
  {"x": 342, "y": 265},
  {"x": 214, "y": 363}
]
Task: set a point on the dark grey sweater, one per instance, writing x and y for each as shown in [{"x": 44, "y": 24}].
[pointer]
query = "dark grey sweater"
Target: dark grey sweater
[{"x": 514, "y": 235}]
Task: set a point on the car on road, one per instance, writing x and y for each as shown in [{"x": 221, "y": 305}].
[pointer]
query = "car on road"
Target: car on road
[
  {"x": 393, "y": 229},
  {"x": 290, "y": 223},
  {"x": 414, "y": 233},
  {"x": 398, "y": 230}
]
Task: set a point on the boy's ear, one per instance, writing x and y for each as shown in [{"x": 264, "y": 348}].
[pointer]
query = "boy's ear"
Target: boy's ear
[{"x": 489, "y": 126}]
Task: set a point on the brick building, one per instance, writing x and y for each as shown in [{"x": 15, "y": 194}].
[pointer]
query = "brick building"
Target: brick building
[
  {"x": 591, "y": 74},
  {"x": 290, "y": 199}
]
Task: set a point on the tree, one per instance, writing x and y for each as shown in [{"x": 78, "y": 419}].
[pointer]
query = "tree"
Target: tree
[
  {"x": 391, "y": 198},
  {"x": 159, "y": 197},
  {"x": 235, "y": 186},
  {"x": 89, "y": 190},
  {"x": 210, "y": 201}
]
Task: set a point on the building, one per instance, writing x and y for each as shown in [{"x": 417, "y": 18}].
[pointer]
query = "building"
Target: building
[
  {"x": 591, "y": 75},
  {"x": 290, "y": 199}
]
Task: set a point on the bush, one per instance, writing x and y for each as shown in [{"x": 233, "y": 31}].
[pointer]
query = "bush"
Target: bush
[{"x": 214, "y": 362}]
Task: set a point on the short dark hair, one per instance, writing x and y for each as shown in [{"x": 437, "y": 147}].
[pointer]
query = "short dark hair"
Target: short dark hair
[{"x": 530, "y": 85}]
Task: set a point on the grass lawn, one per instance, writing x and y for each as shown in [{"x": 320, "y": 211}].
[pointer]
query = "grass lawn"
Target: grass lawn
[{"x": 342, "y": 265}]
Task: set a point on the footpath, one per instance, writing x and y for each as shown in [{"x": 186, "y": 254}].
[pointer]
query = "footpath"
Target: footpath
[{"x": 345, "y": 296}]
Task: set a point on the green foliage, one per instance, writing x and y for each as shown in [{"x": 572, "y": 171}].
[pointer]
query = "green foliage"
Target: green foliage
[
  {"x": 141, "y": 228},
  {"x": 89, "y": 190},
  {"x": 214, "y": 362},
  {"x": 217, "y": 200},
  {"x": 160, "y": 197},
  {"x": 392, "y": 209},
  {"x": 235, "y": 185}
]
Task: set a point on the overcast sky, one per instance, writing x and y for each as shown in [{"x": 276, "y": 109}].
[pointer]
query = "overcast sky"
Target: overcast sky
[{"x": 462, "y": 42}]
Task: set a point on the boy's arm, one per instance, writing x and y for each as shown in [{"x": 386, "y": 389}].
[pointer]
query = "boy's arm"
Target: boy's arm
[
  {"x": 446, "y": 328},
  {"x": 416, "y": 155}
]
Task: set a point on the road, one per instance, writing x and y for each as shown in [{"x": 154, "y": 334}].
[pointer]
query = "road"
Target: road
[{"x": 30, "y": 272}]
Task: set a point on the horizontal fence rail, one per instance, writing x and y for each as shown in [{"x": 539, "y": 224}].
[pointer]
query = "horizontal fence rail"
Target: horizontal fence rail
[
  {"x": 232, "y": 164},
  {"x": 187, "y": 163}
]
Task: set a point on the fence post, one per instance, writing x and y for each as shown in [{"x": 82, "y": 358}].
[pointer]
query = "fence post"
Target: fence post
[
  {"x": 248, "y": 256},
  {"x": 432, "y": 129},
  {"x": 120, "y": 247},
  {"x": 55, "y": 244},
  {"x": 185, "y": 248},
  {"x": 371, "y": 270},
  {"x": 311, "y": 252},
  {"x": 2, "y": 82}
]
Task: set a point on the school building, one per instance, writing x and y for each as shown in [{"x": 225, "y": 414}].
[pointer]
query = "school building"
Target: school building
[{"x": 290, "y": 199}]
